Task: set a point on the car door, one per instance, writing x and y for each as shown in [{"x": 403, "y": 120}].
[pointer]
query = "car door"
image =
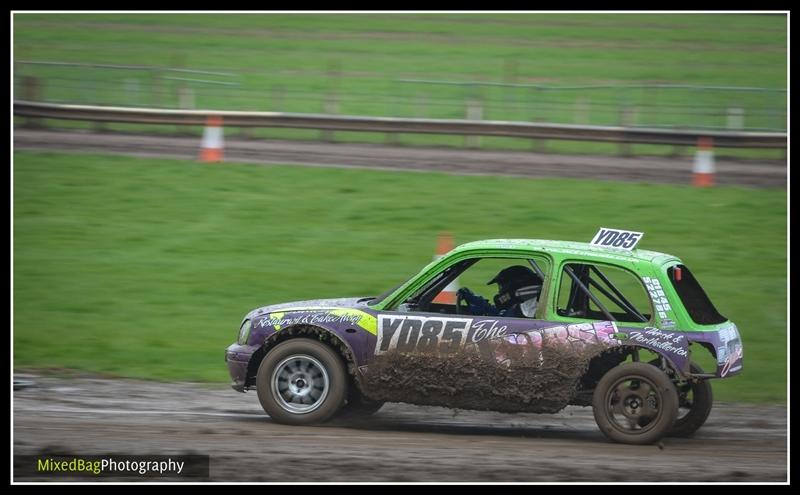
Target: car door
[
  {"x": 428, "y": 353},
  {"x": 427, "y": 323}
]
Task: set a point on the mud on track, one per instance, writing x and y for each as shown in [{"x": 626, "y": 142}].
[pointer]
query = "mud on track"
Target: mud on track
[
  {"x": 760, "y": 173},
  {"x": 399, "y": 443}
]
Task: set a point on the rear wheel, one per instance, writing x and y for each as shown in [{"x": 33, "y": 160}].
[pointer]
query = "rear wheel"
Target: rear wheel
[
  {"x": 635, "y": 403},
  {"x": 301, "y": 381},
  {"x": 694, "y": 405}
]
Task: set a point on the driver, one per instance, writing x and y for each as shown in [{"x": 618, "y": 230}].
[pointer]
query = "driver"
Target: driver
[{"x": 518, "y": 289}]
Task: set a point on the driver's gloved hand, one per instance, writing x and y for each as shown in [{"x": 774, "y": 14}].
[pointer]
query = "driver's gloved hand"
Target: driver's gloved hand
[
  {"x": 464, "y": 292},
  {"x": 477, "y": 304}
]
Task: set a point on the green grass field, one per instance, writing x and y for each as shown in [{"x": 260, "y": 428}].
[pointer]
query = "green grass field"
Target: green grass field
[
  {"x": 295, "y": 63},
  {"x": 144, "y": 267}
]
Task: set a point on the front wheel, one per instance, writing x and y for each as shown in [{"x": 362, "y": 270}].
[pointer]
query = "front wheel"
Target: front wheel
[
  {"x": 635, "y": 403},
  {"x": 301, "y": 382},
  {"x": 358, "y": 406}
]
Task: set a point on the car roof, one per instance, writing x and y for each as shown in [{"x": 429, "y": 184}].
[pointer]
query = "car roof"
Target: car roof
[{"x": 565, "y": 249}]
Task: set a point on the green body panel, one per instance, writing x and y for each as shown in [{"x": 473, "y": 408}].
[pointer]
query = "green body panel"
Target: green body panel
[{"x": 642, "y": 263}]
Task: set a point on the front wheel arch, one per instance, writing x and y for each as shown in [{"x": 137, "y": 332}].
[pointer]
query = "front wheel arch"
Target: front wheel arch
[{"x": 304, "y": 331}]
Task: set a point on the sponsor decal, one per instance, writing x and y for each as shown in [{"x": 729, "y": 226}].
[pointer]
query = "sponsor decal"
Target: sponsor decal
[
  {"x": 581, "y": 333},
  {"x": 575, "y": 337},
  {"x": 330, "y": 317},
  {"x": 667, "y": 323},
  {"x": 671, "y": 342},
  {"x": 730, "y": 352},
  {"x": 731, "y": 359},
  {"x": 365, "y": 320},
  {"x": 433, "y": 334},
  {"x": 617, "y": 239},
  {"x": 446, "y": 335},
  {"x": 660, "y": 302}
]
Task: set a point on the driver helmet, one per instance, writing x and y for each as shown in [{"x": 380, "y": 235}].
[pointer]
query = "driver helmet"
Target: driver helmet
[{"x": 516, "y": 284}]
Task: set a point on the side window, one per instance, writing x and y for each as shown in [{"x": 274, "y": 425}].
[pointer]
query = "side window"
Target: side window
[
  {"x": 694, "y": 298},
  {"x": 597, "y": 292},
  {"x": 506, "y": 287}
]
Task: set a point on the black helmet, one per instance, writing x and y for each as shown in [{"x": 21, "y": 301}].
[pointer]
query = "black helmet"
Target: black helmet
[{"x": 516, "y": 284}]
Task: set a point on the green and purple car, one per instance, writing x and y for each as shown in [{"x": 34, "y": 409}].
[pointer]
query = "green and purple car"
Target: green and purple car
[{"x": 599, "y": 324}]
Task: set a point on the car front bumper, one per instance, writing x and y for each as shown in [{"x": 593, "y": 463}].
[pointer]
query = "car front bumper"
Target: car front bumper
[{"x": 237, "y": 357}]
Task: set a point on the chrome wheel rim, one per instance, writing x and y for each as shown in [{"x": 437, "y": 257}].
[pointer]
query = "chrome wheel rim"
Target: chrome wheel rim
[{"x": 300, "y": 384}]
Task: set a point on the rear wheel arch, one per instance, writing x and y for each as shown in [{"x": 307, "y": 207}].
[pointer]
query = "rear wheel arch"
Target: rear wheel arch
[{"x": 605, "y": 360}]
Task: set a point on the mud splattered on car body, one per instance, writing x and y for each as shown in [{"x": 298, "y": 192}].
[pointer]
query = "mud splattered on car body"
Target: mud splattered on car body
[{"x": 498, "y": 375}]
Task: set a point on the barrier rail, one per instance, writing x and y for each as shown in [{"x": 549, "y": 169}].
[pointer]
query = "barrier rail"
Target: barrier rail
[{"x": 614, "y": 134}]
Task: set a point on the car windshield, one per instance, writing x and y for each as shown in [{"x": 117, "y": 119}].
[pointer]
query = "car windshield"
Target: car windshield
[
  {"x": 435, "y": 280},
  {"x": 694, "y": 298},
  {"x": 384, "y": 295}
]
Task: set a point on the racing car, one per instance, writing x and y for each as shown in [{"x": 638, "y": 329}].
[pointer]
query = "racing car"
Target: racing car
[{"x": 509, "y": 325}]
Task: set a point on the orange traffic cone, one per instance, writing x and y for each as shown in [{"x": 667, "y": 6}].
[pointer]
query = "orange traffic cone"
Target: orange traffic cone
[
  {"x": 212, "y": 140},
  {"x": 444, "y": 245},
  {"x": 703, "y": 171}
]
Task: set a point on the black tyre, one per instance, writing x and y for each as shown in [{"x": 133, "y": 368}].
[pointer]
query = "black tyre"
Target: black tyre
[
  {"x": 635, "y": 403},
  {"x": 301, "y": 382},
  {"x": 358, "y": 406},
  {"x": 695, "y": 400}
]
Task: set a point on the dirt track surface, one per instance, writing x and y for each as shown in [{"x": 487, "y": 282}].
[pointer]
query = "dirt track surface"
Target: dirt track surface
[
  {"x": 764, "y": 173},
  {"x": 399, "y": 443}
]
